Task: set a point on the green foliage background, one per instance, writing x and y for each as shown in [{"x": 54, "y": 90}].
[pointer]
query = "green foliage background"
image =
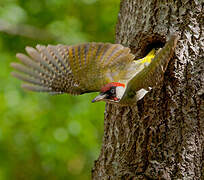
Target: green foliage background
[{"x": 44, "y": 136}]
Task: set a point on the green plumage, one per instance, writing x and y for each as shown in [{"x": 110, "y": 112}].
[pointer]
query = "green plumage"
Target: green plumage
[
  {"x": 88, "y": 67},
  {"x": 151, "y": 74},
  {"x": 72, "y": 69}
]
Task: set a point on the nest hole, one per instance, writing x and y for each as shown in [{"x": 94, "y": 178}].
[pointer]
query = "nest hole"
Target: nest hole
[
  {"x": 153, "y": 45},
  {"x": 153, "y": 42}
]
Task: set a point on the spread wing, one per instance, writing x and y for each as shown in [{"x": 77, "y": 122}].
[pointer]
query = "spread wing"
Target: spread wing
[{"x": 72, "y": 69}]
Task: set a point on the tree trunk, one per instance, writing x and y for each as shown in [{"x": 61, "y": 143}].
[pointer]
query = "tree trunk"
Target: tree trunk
[{"x": 162, "y": 137}]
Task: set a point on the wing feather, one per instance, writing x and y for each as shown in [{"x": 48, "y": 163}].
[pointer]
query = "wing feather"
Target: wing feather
[
  {"x": 37, "y": 58},
  {"x": 26, "y": 70},
  {"x": 73, "y": 69},
  {"x": 27, "y": 79},
  {"x": 36, "y": 88}
]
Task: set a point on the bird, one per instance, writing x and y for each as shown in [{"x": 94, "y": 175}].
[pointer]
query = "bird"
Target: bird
[{"x": 110, "y": 69}]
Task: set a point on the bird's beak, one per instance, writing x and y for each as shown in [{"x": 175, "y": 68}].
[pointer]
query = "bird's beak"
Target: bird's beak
[{"x": 100, "y": 97}]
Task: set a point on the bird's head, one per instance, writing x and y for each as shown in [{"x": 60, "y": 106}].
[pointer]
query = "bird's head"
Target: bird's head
[{"x": 111, "y": 92}]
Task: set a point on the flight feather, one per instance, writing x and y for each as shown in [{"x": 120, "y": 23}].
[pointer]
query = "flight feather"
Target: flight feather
[{"x": 73, "y": 69}]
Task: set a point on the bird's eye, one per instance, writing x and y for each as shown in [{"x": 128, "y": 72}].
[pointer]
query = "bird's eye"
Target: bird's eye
[{"x": 112, "y": 91}]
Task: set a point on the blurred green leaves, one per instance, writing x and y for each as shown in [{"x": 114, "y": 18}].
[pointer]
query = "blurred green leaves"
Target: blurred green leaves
[
  {"x": 13, "y": 13},
  {"x": 44, "y": 136}
]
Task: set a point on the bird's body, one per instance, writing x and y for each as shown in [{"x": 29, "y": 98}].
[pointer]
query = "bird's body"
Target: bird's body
[{"x": 92, "y": 67}]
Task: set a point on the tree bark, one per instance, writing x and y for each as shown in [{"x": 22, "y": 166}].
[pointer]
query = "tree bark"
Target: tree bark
[{"x": 162, "y": 136}]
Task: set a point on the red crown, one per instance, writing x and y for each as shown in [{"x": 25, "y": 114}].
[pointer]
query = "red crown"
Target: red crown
[{"x": 109, "y": 85}]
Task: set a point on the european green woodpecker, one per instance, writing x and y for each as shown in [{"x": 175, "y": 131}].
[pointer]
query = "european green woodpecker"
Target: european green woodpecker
[{"x": 93, "y": 67}]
